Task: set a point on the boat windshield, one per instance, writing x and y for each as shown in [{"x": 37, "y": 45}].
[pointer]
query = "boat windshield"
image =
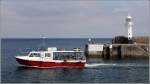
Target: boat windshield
[
  {"x": 68, "y": 56},
  {"x": 35, "y": 55}
]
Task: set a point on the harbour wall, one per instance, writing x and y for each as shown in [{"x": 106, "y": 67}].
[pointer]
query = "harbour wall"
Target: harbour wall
[{"x": 117, "y": 51}]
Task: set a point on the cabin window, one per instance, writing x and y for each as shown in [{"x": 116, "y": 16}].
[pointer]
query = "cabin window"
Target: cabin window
[
  {"x": 47, "y": 54},
  {"x": 35, "y": 55},
  {"x": 67, "y": 55},
  {"x": 57, "y": 55}
]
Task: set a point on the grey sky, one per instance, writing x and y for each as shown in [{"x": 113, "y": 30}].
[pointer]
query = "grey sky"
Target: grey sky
[{"x": 68, "y": 18}]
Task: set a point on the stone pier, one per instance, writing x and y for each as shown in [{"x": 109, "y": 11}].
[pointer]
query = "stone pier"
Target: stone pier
[{"x": 117, "y": 51}]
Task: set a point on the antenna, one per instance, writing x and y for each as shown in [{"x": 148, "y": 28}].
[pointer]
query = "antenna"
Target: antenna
[{"x": 43, "y": 42}]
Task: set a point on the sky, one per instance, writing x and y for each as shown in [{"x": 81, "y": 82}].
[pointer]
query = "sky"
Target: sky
[{"x": 72, "y": 18}]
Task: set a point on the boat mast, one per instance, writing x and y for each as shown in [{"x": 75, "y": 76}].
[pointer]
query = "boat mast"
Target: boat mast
[{"x": 43, "y": 42}]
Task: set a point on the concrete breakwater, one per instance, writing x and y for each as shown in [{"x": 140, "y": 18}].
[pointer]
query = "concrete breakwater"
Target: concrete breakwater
[{"x": 117, "y": 51}]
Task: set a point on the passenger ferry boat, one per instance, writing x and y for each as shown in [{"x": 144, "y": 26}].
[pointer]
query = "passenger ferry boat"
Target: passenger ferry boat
[{"x": 53, "y": 58}]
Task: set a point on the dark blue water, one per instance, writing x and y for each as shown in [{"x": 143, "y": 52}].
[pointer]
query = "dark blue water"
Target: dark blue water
[{"x": 96, "y": 70}]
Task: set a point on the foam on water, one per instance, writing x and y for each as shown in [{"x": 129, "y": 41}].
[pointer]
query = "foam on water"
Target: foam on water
[
  {"x": 91, "y": 65},
  {"x": 98, "y": 64}
]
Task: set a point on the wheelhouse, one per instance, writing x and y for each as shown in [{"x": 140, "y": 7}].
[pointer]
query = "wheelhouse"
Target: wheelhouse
[{"x": 40, "y": 54}]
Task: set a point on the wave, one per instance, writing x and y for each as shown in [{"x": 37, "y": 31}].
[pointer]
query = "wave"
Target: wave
[
  {"x": 90, "y": 65},
  {"x": 98, "y": 64}
]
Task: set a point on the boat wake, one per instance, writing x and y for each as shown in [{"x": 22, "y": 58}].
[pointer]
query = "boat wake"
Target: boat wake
[
  {"x": 98, "y": 64},
  {"x": 91, "y": 65}
]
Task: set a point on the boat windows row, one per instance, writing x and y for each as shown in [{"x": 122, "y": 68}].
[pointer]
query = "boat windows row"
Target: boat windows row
[
  {"x": 68, "y": 56},
  {"x": 57, "y": 54}
]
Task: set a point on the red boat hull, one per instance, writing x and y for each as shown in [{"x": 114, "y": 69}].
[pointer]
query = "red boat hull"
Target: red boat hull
[{"x": 41, "y": 64}]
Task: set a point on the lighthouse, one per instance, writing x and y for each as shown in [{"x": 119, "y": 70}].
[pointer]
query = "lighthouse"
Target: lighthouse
[{"x": 129, "y": 25}]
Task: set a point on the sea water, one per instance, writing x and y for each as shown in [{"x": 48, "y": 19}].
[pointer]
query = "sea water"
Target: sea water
[{"x": 96, "y": 70}]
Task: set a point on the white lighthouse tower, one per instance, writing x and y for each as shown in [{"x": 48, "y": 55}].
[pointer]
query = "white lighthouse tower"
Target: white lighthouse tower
[{"x": 129, "y": 25}]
